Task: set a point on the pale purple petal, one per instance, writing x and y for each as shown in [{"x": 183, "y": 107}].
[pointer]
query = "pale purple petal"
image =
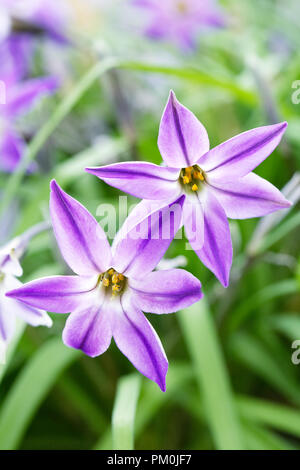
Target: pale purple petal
[
  {"x": 145, "y": 244},
  {"x": 138, "y": 341},
  {"x": 15, "y": 53},
  {"x": 182, "y": 138},
  {"x": 80, "y": 238},
  {"x": 140, "y": 179},
  {"x": 250, "y": 196},
  {"x": 24, "y": 95},
  {"x": 12, "y": 149},
  {"x": 166, "y": 291},
  {"x": 7, "y": 317},
  {"x": 193, "y": 221},
  {"x": 59, "y": 294},
  {"x": 89, "y": 329},
  {"x": 238, "y": 156},
  {"x": 216, "y": 252}
]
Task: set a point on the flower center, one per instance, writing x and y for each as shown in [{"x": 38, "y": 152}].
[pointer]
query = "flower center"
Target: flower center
[
  {"x": 181, "y": 7},
  {"x": 192, "y": 178},
  {"x": 112, "y": 282}
]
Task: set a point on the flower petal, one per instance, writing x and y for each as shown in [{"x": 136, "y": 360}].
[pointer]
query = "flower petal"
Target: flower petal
[
  {"x": 138, "y": 341},
  {"x": 250, "y": 196},
  {"x": 143, "y": 246},
  {"x": 89, "y": 329},
  {"x": 12, "y": 149},
  {"x": 80, "y": 238},
  {"x": 7, "y": 316},
  {"x": 193, "y": 221},
  {"x": 238, "y": 156},
  {"x": 216, "y": 252},
  {"x": 166, "y": 291},
  {"x": 182, "y": 138},
  {"x": 24, "y": 95},
  {"x": 140, "y": 179},
  {"x": 32, "y": 316},
  {"x": 59, "y": 294}
]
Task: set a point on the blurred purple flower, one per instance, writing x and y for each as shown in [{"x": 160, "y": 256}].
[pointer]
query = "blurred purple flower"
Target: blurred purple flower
[
  {"x": 180, "y": 20},
  {"x": 113, "y": 285},
  {"x": 216, "y": 183},
  {"x": 10, "y": 269},
  {"x": 44, "y": 15},
  {"x": 20, "y": 96}
]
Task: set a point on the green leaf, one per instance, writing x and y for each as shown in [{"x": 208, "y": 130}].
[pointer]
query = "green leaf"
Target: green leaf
[
  {"x": 278, "y": 233},
  {"x": 152, "y": 400},
  {"x": 30, "y": 388},
  {"x": 49, "y": 127},
  {"x": 288, "y": 324},
  {"x": 210, "y": 371},
  {"x": 262, "y": 439},
  {"x": 253, "y": 354},
  {"x": 279, "y": 289},
  {"x": 197, "y": 76},
  {"x": 280, "y": 417},
  {"x": 20, "y": 327},
  {"x": 123, "y": 417}
]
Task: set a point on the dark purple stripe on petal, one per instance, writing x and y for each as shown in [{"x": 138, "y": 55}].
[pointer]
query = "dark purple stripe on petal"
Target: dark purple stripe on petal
[
  {"x": 179, "y": 130},
  {"x": 253, "y": 148},
  {"x": 75, "y": 228}
]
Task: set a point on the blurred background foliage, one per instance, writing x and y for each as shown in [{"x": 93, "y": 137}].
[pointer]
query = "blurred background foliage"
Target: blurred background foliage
[{"x": 231, "y": 382}]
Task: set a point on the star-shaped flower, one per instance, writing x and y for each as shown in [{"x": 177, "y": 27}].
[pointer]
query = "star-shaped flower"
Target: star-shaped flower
[
  {"x": 113, "y": 284},
  {"x": 216, "y": 183},
  {"x": 179, "y": 21}
]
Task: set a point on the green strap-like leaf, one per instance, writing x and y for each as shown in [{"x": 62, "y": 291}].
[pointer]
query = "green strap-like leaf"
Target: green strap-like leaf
[
  {"x": 210, "y": 371},
  {"x": 49, "y": 127},
  {"x": 123, "y": 417},
  {"x": 30, "y": 388}
]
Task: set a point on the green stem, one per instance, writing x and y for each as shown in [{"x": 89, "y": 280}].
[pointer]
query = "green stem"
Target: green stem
[{"x": 48, "y": 128}]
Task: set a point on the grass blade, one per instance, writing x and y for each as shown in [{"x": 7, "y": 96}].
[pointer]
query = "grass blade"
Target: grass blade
[
  {"x": 49, "y": 127},
  {"x": 210, "y": 370},
  {"x": 123, "y": 417},
  {"x": 30, "y": 388}
]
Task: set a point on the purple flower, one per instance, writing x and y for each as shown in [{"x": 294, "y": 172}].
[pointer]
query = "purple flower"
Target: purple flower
[
  {"x": 40, "y": 14},
  {"x": 20, "y": 96},
  {"x": 216, "y": 183},
  {"x": 180, "y": 20},
  {"x": 113, "y": 285},
  {"x": 10, "y": 268}
]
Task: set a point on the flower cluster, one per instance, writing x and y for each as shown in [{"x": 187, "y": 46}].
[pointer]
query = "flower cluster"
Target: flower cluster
[{"x": 113, "y": 285}]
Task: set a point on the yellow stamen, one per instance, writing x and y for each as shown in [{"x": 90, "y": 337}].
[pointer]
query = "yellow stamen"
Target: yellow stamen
[
  {"x": 186, "y": 180},
  {"x": 106, "y": 282},
  {"x": 116, "y": 288},
  {"x": 194, "y": 187},
  {"x": 121, "y": 277},
  {"x": 111, "y": 271},
  {"x": 198, "y": 175},
  {"x": 115, "y": 278}
]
